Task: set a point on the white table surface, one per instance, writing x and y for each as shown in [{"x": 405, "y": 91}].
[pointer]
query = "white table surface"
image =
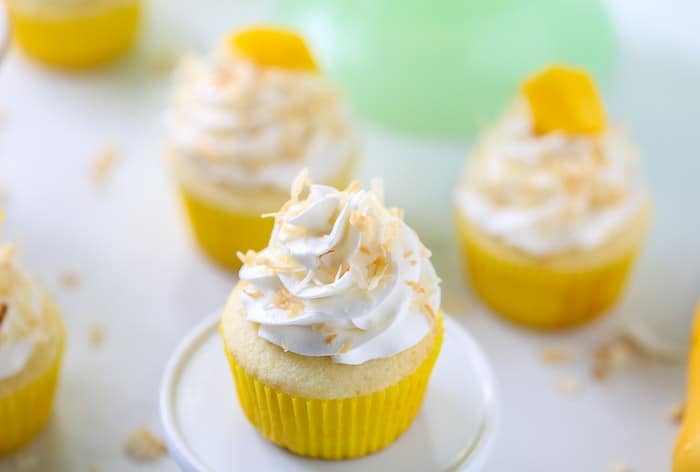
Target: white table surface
[{"x": 144, "y": 281}]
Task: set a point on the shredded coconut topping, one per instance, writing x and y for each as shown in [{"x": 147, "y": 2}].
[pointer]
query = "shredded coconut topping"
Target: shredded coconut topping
[{"x": 335, "y": 280}]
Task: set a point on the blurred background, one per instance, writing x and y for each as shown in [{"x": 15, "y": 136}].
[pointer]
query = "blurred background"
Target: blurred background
[{"x": 423, "y": 78}]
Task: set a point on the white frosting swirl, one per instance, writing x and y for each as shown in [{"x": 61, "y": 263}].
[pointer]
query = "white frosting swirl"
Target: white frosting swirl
[
  {"x": 250, "y": 126},
  {"x": 342, "y": 276},
  {"x": 20, "y": 324},
  {"x": 550, "y": 193}
]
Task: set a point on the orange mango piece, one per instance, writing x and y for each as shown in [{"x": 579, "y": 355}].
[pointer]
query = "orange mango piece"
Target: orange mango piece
[
  {"x": 686, "y": 453},
  {"x": 564, "y": 99},
  {"x": 270, "y": 46}
]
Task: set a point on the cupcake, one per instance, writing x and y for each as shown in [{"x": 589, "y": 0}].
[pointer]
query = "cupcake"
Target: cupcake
[
  {"x": 333, "y": 329},
  {"x": 32, "y": 339},
  {"x": 243, "y": 123},
  {"x": 75, "y": 33},
  {"x": 551, "y": 211}
]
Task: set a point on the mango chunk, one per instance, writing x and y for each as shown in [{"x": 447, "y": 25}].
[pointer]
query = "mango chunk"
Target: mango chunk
[
  {"x": 270, "y": 46},
  {"x": 564, "y": 99}
]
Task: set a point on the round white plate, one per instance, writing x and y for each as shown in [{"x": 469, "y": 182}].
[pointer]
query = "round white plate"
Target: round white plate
[{"x": 206, "y": 430}]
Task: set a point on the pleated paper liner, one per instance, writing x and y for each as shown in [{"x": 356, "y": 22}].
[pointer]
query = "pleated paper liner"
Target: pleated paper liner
[
  {"x": 24, "y": 413},
  {"x": 222, "y": 233},
  {"x": 334, "y": 428},
  {"x": 543, "y": 297}
]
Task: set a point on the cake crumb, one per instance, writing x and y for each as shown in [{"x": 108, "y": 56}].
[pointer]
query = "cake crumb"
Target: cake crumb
[
  {"x": 26, "y": 461},
  {"x": 69, "y": 279},
  {"x": 612, "y": 356},
  {"x": 103, "y": 164},
  {"x": 141, "y": 445},
  {"x": 676, "y": 412},
  {"x": 556, "y": 355},
  {"x": 566, "y": 385},
  {"x": 95, "y": 336},
  {"x": 617, "y": 467}
]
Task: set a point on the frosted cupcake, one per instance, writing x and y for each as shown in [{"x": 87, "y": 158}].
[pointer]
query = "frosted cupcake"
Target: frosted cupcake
[
  {"x": 32, "y": 338},
  {"x": 552, "y": 211},
  {"x": 243, "y": 123},
  {"x": 334, "y": 327},
  {"x": 75, "y": 33}
]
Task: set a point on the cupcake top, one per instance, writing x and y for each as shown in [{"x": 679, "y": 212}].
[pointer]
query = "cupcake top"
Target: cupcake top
[
  {"x": 343, "y": 276},
  {"x": 552, "y": 175},
  {"x": 21, "y": 325},
  {"x": 257, "y": 111}
]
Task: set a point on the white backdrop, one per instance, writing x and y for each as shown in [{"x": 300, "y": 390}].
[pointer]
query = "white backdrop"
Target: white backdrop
[{"x": 142, "y": 279}]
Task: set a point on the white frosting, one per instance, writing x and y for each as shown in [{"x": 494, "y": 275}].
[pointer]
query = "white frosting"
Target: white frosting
[
  {"x": 248, "y": 126},
  {"x": 342, "y": 276},
  {"x": 551, "y": 193},
  {"x": 20, "y": 325}
]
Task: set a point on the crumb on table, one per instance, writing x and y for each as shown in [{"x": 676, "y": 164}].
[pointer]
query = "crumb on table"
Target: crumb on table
[{"x": 141, "y": 445}]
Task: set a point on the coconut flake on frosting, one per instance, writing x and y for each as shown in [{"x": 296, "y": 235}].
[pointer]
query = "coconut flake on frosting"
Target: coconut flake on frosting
[
  {"x": 21, "y": 327},
  {"x": 343, "y": 276},
  {"x": 251, "y": 126},
  {"x": 552, "y": 192}
]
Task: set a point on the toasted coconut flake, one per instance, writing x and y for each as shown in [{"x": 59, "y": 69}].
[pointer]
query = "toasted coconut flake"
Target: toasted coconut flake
[
  {"x": 345, "y": 347},
  {"x": 3, "y": 312},
  {"x": 415, "y": 286},
  {"x": 407, "y": 254},
  {"x": 397, "y": 212},
  {"x": 617, "y": 467},
  {"x": 556, "y": 355},
  {"x": 353, "y": 187},
  {"x": 142, "y": 445},
  {"x": 413, "y": 262},
  {"x": 364, "y": 250},
  {"x": 429, "y": 310},
  {"x": 69, "y": 280},
  {"x": 96, "y": 336},
  {"x": 676, "y": 412},
  {"x": 249, "y": 258},
  {"x": 299, "y": 184},
  {"x": 567, "y": 385},
  {"x": 103, "y": 164},
  {"x": 330, "y": 338},
  {"x": 614, "y": 355},
  {"x": 254, "y": 293}
]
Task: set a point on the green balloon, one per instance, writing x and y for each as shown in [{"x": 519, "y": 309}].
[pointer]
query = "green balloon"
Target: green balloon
[{"x": 446, "y": 67}]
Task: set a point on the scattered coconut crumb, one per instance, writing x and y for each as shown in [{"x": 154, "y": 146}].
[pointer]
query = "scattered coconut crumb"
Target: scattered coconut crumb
[
  {"x": 614, "y": 355},
  {"x": 676, "y": 412},
  {"x": 103, "y": 164},
  {"x": 617, "y": 467},
  {"x": 26, "y": 461},
  {"x": 69, "y": 279},
  {"x": 141, "y": 445},
  {"x": 556, "y": 355},
  {"x": 95, "y": 336},
  {"x": 567, "y": 386}
]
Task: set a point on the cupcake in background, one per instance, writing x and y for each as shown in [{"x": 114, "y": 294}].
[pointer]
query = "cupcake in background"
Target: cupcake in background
[
  {"x": 32, "y": 339},
  {"x": 333, "y": 329},
  {"x": 243, "y": 123},
  {"x": 552, "y": 212},
  {"x": 75, "y": 33}
]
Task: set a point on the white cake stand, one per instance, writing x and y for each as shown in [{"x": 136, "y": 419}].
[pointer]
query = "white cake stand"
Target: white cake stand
[{"x": 206, "y": 431}]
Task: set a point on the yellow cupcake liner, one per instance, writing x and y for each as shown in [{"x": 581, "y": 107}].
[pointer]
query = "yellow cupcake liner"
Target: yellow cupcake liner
[
  {"x": 221, "y": 232},
  {"x": 334, "y": 428},
  {"x": 77, "y": 41},
  {"x": 541, "y": 297},
  {"x": 24, "y": 413}
]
